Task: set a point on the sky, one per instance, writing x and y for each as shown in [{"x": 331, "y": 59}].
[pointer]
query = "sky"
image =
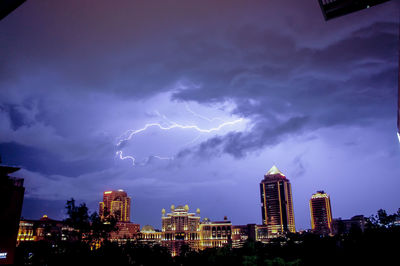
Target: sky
[{"x": 192, "y": 102}]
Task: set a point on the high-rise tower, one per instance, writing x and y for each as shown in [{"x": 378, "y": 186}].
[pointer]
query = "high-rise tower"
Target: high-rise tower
[
  {"x": 321, "y": 213},
  {"x": 277, "y": 203},
  {"x": 117, "y": 203}
]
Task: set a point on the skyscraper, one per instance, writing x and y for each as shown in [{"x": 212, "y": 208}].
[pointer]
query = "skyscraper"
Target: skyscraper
[
  {"x": 321, "y": 213},
  {"x": 277, "y": 203},
  {"x": 117, "y": 203}
]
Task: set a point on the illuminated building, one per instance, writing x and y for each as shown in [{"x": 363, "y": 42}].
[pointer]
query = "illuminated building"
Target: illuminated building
[
  {"x": 126, "y": 231},
  {"x": 44, "y": 229},
  {"x": 180, "y": 228},
  {"x": 242, "y": 233},
  {"x": 25, "y": 232},
  {"x": 277, "y": 203},
  {"x": 321, "y": 213},
  {"x": 11, "y": 198},
  {"x": 215, "y": 234},
  {"x": 149, "y": 236},
  {"x": 116, "y": 203}
]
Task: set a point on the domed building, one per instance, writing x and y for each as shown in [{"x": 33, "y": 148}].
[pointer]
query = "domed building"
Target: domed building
[{"x": 149, "y": 236}]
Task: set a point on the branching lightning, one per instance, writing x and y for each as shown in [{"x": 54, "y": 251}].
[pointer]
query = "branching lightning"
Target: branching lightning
[
  {"x": 201, "y": 116},
  {"x": 128, "y": 135}
]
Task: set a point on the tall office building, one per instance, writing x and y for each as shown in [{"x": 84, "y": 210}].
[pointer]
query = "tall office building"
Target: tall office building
[
  {"x": 321, "y": 213},
  {"x": 117, "y": 203},
  {"x": 11, "y": 198},
  {"x": 277, "y": 203}
]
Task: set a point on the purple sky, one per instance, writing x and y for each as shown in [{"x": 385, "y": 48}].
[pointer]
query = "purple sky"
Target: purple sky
[{"x": 316, "y": 98}]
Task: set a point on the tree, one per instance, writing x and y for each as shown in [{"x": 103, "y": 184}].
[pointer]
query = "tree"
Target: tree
[
  {"x": 78, "y": 218},
  {"x": 91, "y": 229}
]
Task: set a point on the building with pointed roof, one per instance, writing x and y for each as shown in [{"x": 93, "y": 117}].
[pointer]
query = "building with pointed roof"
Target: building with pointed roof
[{"x": 277, "y": 203}]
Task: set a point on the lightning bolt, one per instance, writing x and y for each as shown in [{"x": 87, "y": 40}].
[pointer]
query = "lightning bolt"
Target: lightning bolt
[
  {"x": 131, "y": 133},
  {"x": 128, "y": 135}
]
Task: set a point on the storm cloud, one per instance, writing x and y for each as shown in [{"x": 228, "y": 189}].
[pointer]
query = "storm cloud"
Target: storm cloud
[{"x": 317, "y": 98}]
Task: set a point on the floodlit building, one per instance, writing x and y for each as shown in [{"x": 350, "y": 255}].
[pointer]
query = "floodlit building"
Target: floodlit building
[
  {"x": 44, "y": 229},
  {"x": 180, "y": 228},
  {"x": 117, "y": 203},
  {"x": 149, "y": 236},
  {"x": 11, "y": 198},
  {"x": 277, "y": 203},
  {"x": 215, "y": 234},
  {"x": 243, "y": 233},
  {"x": 321, "y": 213},
  {"x": 126, "y": 232}
]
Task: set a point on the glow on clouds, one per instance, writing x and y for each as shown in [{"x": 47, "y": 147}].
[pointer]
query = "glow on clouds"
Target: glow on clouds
[{"x": 207, "y": 127}]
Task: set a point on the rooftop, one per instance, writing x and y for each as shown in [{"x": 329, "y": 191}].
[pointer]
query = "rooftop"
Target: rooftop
[{"x": 274, "y": 171}]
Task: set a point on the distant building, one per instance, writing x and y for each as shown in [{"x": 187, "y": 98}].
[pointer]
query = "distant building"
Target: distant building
[
  {"x": 116, "y": 203},
  {"x": 215, "y": 234},
  {"x": 356, "y": 223},
  {"x": 180, "y": 228},
  {"x": 321, "y": 213},
  {"x": 11, "y": 198},
  {"x": 149, "y": 236},
  {"x": 277, "y": 203},
  {"x": 126, "y": 232},
  {"x": 44, "y": 229},
  {"x": 243, "y": 233}
]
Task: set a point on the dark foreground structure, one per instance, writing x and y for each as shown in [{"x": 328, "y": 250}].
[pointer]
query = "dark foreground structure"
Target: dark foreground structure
[
  {"x": 337, "y": 8},
  {"x": 8, "y": 6},
  {"x": 11, "y": 198}
]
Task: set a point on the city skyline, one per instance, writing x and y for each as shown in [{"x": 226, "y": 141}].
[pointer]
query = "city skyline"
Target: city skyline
[{"x": 192, "y": 102}]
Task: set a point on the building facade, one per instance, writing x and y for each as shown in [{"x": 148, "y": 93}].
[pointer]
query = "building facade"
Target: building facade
[
  {"x": 44, "y": 229},
  {"x": 180, "y": 228},
  {"x": 345, "y": 226},
  {"x": 116, "y": 203},
  {"x": 321, "y": 213},
  {"x": 215, "y": 234},
  {"x": 11, "y": 198},
  {"x": 277, "y": 203},
  {"x": 126, "y": 232},
  {"x": 149, "y": 236}
]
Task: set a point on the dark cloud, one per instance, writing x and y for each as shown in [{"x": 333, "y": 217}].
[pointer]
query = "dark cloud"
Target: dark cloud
[
  {"x": 328, "y": 86},
  {"x": 48, "y": 163}
]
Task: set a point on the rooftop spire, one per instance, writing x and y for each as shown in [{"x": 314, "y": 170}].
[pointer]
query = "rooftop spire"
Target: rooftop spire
[{"x": 274, "y": 170}]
